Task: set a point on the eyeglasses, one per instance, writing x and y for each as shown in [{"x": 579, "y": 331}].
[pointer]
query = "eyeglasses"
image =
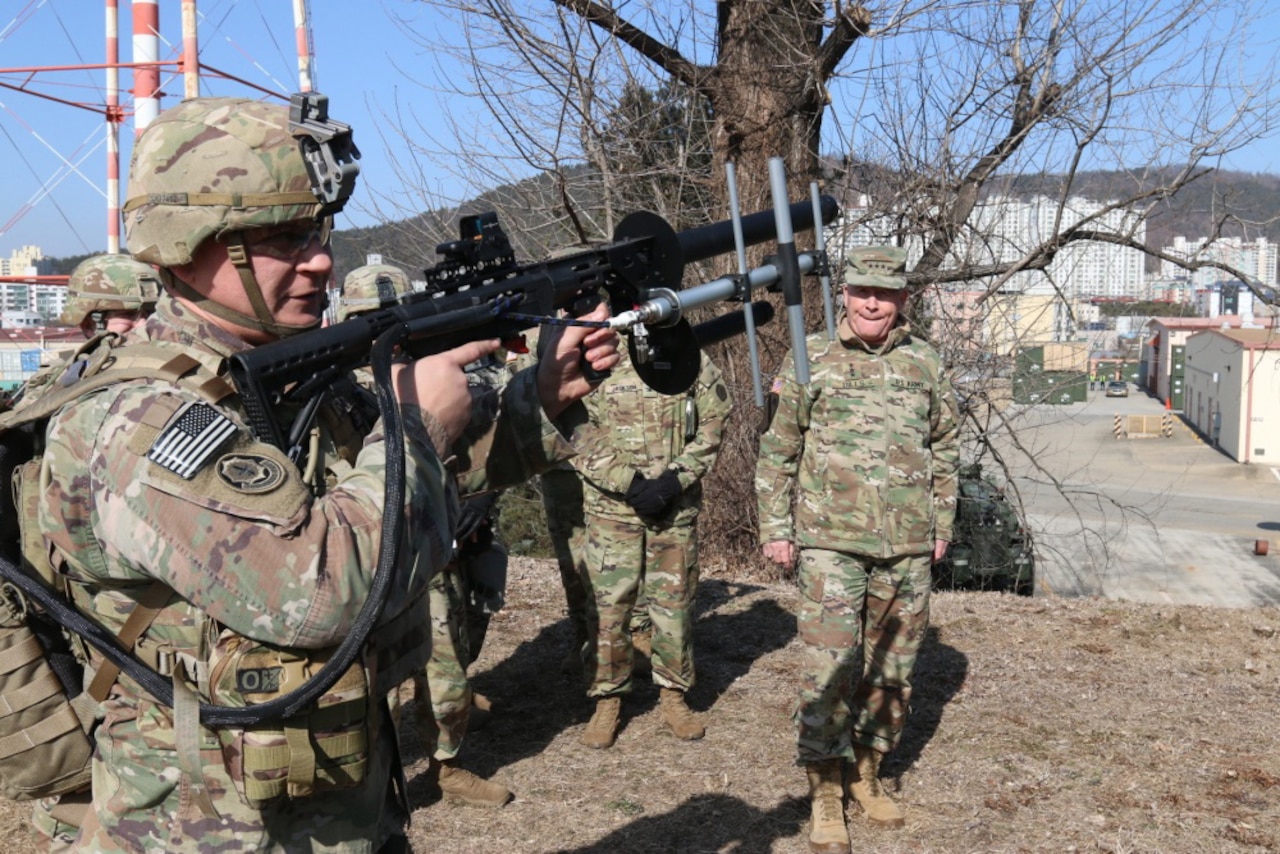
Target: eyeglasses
[{"x": 288, "y": 241}]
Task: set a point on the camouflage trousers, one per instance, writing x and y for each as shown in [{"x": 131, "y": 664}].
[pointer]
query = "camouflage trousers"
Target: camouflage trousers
[
  {"x": 861, "y": 621},
  {"x": 442, "y": 691},
  {"x": 623, "y": 560},
  {"x": 562, "y": 501}
]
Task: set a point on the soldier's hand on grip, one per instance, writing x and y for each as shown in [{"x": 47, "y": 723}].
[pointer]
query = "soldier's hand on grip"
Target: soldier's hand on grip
[
  {"x": 438, "y": 385},
  {"x": 560, "y": 377}
]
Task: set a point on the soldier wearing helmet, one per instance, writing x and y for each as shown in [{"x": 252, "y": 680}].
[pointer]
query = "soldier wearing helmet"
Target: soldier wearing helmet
[
  {"x": 457, "y": 614},
  {"x": 371, "y": 287},
  {"x": 261, "y": 567},
  {"x": 111, "y": 292}
]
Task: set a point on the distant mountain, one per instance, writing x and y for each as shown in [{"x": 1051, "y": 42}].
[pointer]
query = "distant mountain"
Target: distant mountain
[
  {"x": 534, "y": 220},
  {"x": 1254, "y": 200}
]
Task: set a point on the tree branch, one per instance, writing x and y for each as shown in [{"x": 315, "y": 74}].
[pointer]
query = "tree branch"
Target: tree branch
[{"x": 662, "y": 55}]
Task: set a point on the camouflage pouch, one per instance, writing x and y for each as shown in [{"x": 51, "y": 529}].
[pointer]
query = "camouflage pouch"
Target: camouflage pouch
[
  {"x": 44, "y": 743},
  {"x": 323, "y": 749}
]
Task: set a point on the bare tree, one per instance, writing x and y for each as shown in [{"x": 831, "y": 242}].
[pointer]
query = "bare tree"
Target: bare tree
[{"x": 928, "y": 109}]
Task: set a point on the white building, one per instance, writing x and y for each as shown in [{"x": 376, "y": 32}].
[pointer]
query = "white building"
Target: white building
[
  {"x": 1255, "y": 258},
  {"x": 45, "y": 300},
  {"x": 1233, "y": 391},
  {"x": 26, "y": 261},
  {"x": 1004, "y": 230}
]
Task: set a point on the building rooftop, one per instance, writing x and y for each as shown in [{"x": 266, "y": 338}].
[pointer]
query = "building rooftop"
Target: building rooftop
[
  {"x": 1252, "y": 339},
  {"x": 1232, "y": 320}
]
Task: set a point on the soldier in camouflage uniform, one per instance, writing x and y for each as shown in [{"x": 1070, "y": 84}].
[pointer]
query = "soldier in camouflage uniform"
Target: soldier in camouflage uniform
[
  {"x": 455, "y": 612},
  {"x": 113, "y": 293},
  {"x": 566, "y": 526},
  {"x": 870, "y": 446},
  {"x": 157, "y": 492},
  {"x": 106, "y": 294},
  {"x": 642, "y": 492}
]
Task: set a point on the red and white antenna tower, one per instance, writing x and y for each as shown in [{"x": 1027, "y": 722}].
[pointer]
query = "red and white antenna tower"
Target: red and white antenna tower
[{"x": 147, "y": 91}]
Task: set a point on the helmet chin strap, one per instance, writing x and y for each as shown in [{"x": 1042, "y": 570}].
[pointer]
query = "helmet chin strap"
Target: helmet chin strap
[{"x": 261, "y": 321}]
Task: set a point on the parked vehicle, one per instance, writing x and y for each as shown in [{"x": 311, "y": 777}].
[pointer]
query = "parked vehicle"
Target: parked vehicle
[
  {"x": 990, "y": 549},
  {"x": 1117, "y": 388}
]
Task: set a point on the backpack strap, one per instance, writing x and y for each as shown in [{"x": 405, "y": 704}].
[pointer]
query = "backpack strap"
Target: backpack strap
[
  {"x": 150, "y": 603},
  {"x": 142, "y": 361}
]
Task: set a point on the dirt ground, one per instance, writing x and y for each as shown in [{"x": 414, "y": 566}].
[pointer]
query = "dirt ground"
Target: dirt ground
[{"x": 1038, "y": 725}]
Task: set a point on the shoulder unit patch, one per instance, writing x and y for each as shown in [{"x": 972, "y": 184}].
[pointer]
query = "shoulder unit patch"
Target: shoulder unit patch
[
  {"x": 190, "y": 438},
  {"x": 251, "y": 473}
]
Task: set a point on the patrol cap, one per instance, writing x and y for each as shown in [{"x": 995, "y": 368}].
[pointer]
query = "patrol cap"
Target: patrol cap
[{"x": 876, "y": 267}]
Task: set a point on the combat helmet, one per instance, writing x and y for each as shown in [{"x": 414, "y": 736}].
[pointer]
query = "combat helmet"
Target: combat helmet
[
  {"x": 109, "y": 283},
  {"x": 371, "y": 287},
  {"x": 215, "y": 167}
]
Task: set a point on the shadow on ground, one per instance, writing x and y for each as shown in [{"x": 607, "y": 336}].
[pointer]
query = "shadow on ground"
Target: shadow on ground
[
  {"x": 939, "y": 673},
  {"x": 535, "y": 701},
  {"x": 706, "y": 823}
]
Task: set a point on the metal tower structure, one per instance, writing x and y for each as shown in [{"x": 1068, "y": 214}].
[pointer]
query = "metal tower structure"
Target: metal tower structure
[{"x": 150, "y": 72}]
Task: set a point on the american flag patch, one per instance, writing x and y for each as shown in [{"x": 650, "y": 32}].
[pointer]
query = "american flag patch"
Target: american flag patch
[{"x": 191, "y": 439}]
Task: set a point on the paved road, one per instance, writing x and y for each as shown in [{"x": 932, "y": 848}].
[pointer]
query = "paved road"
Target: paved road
[{"x": 1152, "y": 520}]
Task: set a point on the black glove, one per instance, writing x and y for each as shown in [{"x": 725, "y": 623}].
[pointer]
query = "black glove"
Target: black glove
[{"x": 652, "y": 496}]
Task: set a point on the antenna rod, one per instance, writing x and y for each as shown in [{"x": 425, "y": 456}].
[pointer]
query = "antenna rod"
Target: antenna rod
[
  {"x": 824, "y": 275},
  {"x": 789, "y": 267},
  {"x": 735, "y": 211}
]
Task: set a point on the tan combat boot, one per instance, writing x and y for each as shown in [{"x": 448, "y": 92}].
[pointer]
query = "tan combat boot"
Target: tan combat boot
[
  {"x": 864, "y": 787},
  {"x": 602, "y": 729},
  {"x": 460, "y": 784},
  {"x": 827, "y": 835},
  {"x": 683, "y": 722}
]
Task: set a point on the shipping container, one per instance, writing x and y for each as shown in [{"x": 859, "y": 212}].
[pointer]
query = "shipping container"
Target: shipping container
[{"x": 1051, "y": 387}]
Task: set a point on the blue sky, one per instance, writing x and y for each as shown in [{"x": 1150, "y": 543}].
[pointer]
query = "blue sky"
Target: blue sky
[
  {"x": 363, "y": 63},
  {"x": 54, "y": 156}
]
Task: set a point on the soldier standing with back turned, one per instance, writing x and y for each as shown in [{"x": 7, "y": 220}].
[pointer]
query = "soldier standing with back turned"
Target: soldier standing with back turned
[{"x": 868, "y": 450}]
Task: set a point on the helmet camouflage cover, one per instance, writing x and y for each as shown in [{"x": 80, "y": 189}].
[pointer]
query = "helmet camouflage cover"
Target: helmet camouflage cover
[
  {"x": 109, "y": 283},
  {"x": 212, "y": 165},
  {"x": 371, "y": 287}
]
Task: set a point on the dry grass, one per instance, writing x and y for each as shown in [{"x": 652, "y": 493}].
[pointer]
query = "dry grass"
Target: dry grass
[{"x": 1039, "y": 725}]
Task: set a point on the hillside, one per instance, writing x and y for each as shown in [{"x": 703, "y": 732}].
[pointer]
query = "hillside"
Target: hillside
[
  {"x": 1254, "y": 199},
  {"x": 1038, "y": 725},
  {"x": 411, "y": 242}
]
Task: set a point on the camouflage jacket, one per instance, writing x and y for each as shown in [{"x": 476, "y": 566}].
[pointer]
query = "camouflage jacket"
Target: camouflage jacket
[
  {"x": 636, "y": 430},
  {"x": 249, "y": 547},
  {"x": 871, "y": 443}
]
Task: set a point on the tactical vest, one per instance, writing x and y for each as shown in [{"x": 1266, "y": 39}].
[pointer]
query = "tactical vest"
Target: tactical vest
[{"x": 326, "y": 747}]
